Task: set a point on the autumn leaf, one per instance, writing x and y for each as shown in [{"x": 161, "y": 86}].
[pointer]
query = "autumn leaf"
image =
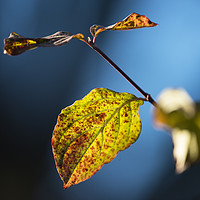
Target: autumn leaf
[
  {"x": 133, "y": 21},
  {"x": 180, "y": 115},
  {"x": 16, "y": 44},
  {"x": 91, "y": 132}
]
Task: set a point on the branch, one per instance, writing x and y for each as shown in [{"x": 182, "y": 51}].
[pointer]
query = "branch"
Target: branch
[{"x": 96, "y": 48}]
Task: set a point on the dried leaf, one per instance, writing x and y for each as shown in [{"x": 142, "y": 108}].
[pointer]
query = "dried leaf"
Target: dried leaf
[
  {"x": 133, "y": 21},
  {"x": 92, "y": 131},
  {"x": 16, "y": 44}
]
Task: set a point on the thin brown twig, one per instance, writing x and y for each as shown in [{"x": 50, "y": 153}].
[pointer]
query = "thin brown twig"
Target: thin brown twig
[{"x": 96, "y": 48}]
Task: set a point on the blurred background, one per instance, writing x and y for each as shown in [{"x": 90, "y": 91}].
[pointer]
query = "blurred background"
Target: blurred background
[{"x": 36, "y": 85}]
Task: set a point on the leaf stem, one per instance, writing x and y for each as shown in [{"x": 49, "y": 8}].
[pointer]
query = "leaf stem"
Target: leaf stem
[{"x": 96, "y": 48}]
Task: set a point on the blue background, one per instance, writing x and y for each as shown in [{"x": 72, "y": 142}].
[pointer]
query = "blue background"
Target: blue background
[{"x": 36, "y": 85}]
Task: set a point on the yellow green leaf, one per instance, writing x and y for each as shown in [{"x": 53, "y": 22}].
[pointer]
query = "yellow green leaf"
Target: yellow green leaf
[
  {"x": 179, "y": 114},
  {"x": 91, "y": 132},
  {"x": 133, "y": 21},
  {"x": 16, "y": 44}
]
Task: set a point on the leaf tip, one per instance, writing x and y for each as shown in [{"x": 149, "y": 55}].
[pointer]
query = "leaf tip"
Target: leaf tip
[
  {"x": 152, "y": 24},
  {"x": 79, "y": 36}
]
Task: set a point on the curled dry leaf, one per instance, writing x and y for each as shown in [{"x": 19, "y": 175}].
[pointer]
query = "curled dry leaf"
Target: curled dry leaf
[
  {"x": 92, "y": 131},
  {"x": 16, "y": 44},
  {"x": 133, "y": 21}
]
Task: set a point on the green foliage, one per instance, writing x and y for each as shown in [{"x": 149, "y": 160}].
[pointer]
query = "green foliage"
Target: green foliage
[{"x": 92, "y": 131}]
